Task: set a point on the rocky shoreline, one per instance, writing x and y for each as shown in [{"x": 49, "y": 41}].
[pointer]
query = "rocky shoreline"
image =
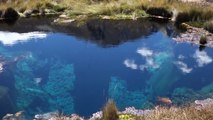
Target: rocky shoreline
[
  {"x": 194, "y": 35},
  {"x": 129, "y": 111}
]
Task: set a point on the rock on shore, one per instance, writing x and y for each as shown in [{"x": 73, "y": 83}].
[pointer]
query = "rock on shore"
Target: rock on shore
[
  {"x": 9, "y": 14},
  {"x": 194, "y": 35}
]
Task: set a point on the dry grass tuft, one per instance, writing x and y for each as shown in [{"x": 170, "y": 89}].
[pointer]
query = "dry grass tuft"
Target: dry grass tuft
[
  {"x": 182, "y": 113},
  {"x": 110, "y": 111}
]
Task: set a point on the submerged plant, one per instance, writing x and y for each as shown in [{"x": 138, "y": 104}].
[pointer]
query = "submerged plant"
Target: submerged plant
[
  {"x": 123, "y": 97},
  {"x": 58, "y": 87},
  {"x": 53, "y": 94}
]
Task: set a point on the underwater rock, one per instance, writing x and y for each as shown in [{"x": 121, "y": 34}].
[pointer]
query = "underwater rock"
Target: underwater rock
[
  {"x": 137, "y": 112},
  {"x": 164, "y": 100},
  {"x": 46, "y": 116},
  {"x": 16, "y": 116},
  {"x": 207, "y": 90},
  {"x": 206, "y": 103},
  {"x": 123, "y": 97},
  {"x": 96, "y": 116},
  {"x": 193, "y": 35}
]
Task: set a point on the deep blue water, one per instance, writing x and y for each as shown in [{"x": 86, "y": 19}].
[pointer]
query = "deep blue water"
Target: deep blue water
[{"x": 49, "y": 71}]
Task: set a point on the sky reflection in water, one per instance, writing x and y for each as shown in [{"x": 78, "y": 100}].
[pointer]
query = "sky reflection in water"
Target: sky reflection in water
[{"x": 133, "y": 73}]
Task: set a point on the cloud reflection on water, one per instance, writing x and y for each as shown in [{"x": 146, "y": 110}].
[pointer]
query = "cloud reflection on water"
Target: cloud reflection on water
[
  {"x": 153, "y": 60},
  {"x": 183, "y": 67},
  {"x": 202, "y": 58},
  {"x": 130, "y": 64},
  {"x": 11, "y": 38}
]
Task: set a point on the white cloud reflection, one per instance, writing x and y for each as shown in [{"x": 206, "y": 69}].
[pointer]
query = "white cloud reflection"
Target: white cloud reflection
[
  {"x": 152, "y": 60},
  {"x": 11, "y": 38},
  {"x": 130, "y": 64},
  {"x": 202, "y": 58},
  {"x": 181, "y": 57},
  {"x": 183, "y": 67},
  {"x": 145, "y": 52},
  {"x": 1, "y": 67}
]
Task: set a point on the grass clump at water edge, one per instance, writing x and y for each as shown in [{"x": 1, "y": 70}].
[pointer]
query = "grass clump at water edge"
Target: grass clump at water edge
[{"x": 110, "y": 111}]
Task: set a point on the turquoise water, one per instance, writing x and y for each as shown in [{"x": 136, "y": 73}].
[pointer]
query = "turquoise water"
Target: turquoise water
[{"x": 43, "y": 71}]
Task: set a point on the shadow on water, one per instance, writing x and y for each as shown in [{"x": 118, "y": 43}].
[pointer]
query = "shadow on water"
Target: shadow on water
[{"x": 105, "y": 33}]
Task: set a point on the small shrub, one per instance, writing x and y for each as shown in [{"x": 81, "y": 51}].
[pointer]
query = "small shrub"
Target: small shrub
[
  {"x": 203, "y": 40},
  {"x": 182, "y": 17},
  {"x": 110, "y": 111},
  {"x": 194, "y": 15},
  {"x": 159, "y": 11},
  {"x": 209, "y": 26},
  {"x": 55, "y": 7}
]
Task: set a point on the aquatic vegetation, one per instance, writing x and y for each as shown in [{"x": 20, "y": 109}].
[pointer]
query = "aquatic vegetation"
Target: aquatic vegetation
[
  {"x": 3, "y": 91},
  {"x": 110, "y": 111},
  {"x": 60, "y": 83},
  {"x": 183, "y": 96},
  {"x": 123, "y": 97},
  {"x": 55, "y": 93},
  {"x": 26, "y": 88},
  {"x": 162, "y": 78}
]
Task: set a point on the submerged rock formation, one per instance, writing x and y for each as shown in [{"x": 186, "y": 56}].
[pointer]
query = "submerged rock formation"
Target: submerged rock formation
[{"x": 16, "y": 116}]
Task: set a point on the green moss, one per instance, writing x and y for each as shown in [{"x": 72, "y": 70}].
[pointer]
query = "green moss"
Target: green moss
[
  {"x": 198, "y": 24},
  {"x": 127, "y": 117}
]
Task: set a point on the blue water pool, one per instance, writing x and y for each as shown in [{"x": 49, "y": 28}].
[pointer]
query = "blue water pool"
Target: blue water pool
[{"x": 45, "y": 70}]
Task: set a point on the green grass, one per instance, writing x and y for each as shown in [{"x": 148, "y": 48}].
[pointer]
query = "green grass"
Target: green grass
[
  {"x": 195, "y": 15},
  {"x": 124, "y": 9}
]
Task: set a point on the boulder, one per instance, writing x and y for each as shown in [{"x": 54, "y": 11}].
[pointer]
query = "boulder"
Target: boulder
[
  {"x": 10, "y": 14},
  {"x": 47, "y": 116},
  {"x": 204, "y": 103}
]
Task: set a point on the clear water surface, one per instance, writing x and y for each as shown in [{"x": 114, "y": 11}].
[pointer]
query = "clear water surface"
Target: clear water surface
[{"x": 43, "y": 71}]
